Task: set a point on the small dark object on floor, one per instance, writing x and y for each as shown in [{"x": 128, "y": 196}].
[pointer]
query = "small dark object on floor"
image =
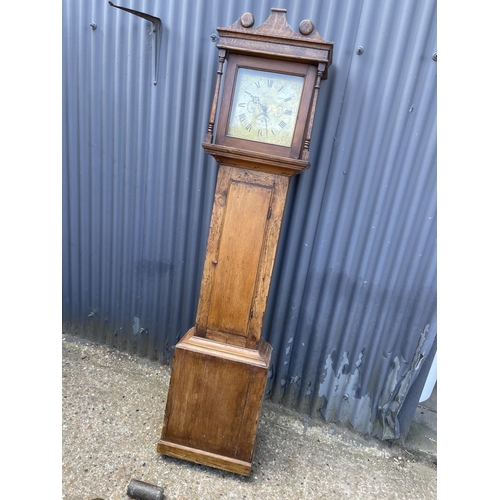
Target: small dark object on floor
[{"x": 144, "y": 491}]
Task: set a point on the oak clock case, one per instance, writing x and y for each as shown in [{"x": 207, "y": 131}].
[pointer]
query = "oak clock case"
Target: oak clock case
[
  {"x": 265, "y": 105},
  {"x": 268, "y": 81}
]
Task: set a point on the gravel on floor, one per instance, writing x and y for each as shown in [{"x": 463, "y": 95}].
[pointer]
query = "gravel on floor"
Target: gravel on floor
[{"x": 112, "y": 413}]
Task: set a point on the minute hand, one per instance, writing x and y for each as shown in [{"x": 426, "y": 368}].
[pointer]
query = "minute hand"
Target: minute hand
[{"x": 256, "y": 100}]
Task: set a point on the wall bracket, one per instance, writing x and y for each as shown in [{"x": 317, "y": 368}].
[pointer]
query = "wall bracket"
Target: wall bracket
[{"x": 156, "y": 31}]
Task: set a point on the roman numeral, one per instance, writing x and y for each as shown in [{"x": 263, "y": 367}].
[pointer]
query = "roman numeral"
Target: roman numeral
[
  {"x": 281, "y": 88},
  {"x": 241, "y": 104},
  {"x": 288, "y": 111},
  {"x": 243, "y": 117},
  {"x": 288, "y": 99},
  {"x": 249, "y": 127},
  {"x": 258, "y": 84},
  {"x": 269, "y": 83},
  {"x": 282, "y": 124}
]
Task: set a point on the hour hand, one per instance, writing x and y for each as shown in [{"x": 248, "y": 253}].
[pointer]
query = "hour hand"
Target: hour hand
[{"x": 255, "y": 99}]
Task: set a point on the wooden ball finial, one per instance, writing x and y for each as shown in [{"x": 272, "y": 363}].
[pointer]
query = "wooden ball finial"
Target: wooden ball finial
[
  {"x": 247, "y": 20},
  {"x": 306, "y": 27}
]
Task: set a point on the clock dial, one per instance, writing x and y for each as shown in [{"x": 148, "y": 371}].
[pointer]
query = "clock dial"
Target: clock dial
[{"x": 265, "y": 106}]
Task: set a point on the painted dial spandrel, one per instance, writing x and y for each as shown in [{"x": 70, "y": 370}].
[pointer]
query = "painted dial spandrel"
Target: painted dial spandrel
[{"x": 265, "y": 106}]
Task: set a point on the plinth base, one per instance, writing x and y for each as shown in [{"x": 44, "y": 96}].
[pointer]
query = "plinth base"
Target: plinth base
[{"x": 214, "y": 402}]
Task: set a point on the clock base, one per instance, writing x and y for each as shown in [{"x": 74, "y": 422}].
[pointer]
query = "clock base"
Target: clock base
[
  {"x": 204, "y": 458},
  {"x": 214, "y": 401}
]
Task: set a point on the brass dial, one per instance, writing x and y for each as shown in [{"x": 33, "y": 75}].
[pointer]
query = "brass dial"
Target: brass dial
[{"x": 265, "y": 106}]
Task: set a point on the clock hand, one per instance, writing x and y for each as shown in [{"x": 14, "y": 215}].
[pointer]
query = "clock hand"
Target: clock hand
[{"x": 256, "y": 100}]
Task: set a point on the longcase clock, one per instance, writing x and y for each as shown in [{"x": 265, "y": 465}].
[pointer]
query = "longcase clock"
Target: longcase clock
[{"x": 259, "y": 133}]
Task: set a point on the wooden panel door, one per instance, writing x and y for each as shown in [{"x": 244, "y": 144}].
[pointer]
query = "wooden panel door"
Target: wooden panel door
[{"x": 244, "y": 231}]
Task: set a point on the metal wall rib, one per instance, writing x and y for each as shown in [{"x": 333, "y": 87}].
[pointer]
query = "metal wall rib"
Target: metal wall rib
[{"x": 352, "y": 307}]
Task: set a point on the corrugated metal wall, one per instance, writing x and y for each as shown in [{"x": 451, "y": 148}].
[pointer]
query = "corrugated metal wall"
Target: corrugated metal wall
[{"x": 352, "y": 307}]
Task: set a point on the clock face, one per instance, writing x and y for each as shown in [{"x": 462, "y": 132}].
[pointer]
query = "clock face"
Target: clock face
[{"x": 265, "y": 106}]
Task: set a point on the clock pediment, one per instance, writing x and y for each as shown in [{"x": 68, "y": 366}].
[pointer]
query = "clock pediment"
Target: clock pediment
[{"x": 276, "y": 39}]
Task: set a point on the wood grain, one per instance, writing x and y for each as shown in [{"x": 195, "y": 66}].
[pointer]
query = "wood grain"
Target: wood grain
[
  {"x": 276, "y": 39},
  {"x": 236, "y": 61},
  {"x": 216, "y": 222},
  {"x": 205, "y": 458},
  {"x": 240, "y": 246},
  {"x": 220, "y": 366},
  {"x": 242, "y": 242},
  {"x": 256, "y": 160},
  {"x": 266, "y": 263},
  {"x": 214, "y": 403}
]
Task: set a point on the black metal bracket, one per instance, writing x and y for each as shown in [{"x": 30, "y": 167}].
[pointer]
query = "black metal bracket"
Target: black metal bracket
[{"x": 156, "y": 31}]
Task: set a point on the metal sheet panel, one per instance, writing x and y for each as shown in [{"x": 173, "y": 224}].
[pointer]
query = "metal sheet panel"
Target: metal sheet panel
[{"x": 352, "y": 309}]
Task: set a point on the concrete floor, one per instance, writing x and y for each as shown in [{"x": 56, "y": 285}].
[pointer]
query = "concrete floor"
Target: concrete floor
[
  {"x": 422, "y": 436},
  {"x": 112, "y": 411}
]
